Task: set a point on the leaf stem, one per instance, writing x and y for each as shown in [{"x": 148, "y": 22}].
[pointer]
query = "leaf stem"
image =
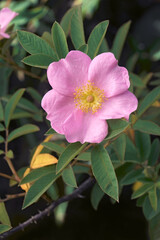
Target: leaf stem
[
  {"x": 8, "y": 160},
  {"x": 16, "y": 67},
  {"x": 13, "y": 196},
  {"x": 7, "y": 176}
]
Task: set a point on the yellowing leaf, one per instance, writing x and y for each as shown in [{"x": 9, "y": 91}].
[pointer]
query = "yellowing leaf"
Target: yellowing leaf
[
  {"x": 26, "y": 186},
  {"x": 136, "y": 186},
  {"x": 43, "y": 159},
  {"x": 38, "y": 161},
  {"x": 39, "y": 149},
  {"x": 156, "y": 104}
]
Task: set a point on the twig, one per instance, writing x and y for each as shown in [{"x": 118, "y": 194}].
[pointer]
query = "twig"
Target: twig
[
  {"x": 84, "y": 186},
  {"x": 83, "y": 164},
  {"x": 16, "y": 67},
  {"x": 8, "y": 2},
  {"x": 86, "y": 148},
  {"x": 9, "y": 197},
  {"x": 7, "y": 176},
  {"x": 8, "y": 160}
]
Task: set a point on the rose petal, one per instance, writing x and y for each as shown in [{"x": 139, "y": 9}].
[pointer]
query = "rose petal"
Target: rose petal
[
  {"x": 4, "y": 35},
  {"x": 107, "y": 75},
  {"x": 85, "y": 127},
  {"x": 67, "y": 74},
  {"x": 6, "y": 16},
  {"x": 58, "y": 108},
  {"x": 119, "y": 106}
]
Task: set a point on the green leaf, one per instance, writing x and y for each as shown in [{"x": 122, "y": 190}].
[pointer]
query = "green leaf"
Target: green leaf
[
  {"x": 77, "y": 31},
  {"x": 10, "y": 154},
  {"x": 155, "y": 83},
  {"x": 69, "y": 154},
  {"x": 4, "y": 228},
  {"x": 69, "y": 177},
  {"x": 2, "y": 128},
  {"x": 21, "y": 114},
  {"x": 154, "y": 153},
  {"x": 1, "y": 152},
  {"x": 132, "y": 177},
  {"x": 132, "y": 60},
  {"x": 20, "y": 173},
  {"x": 38, "y": 60},
  {"x": 38, "y": 173},
  {"x": 140, "y": 201},
  {"x": 96, "y": 196},
  {"x": 153, "y": 198},
  {"x": 154, "y": 229},
  {"x": 53, "y": 147},
  {"x": 119, "y": 146},
  {"x": 104, "y": 47},
  {"x": 104, "y": 172},
  {"x": 78, "y": 169},
  {"x": 148, "y": 100},
  {"x": 53, "y": 191},
  {"x": 84, "y": 48},
  {"x": 38, "y": 188},
  {"x": 1, "y": 139},
  {"x": 34, "y": 94},
  {"x": 86, "y": 156},
  {"x": 47, "y": 37},
  {"x": 59, "y": 40},
  {"x": 66, "y": 21},
  {"x": 25, "y": 129},
  {"x": 11, "y": 105},
  {"x": 96, "y": 37},
  {"x": 119, "y": 39},
  {"x": 28, "y": 105},
  {"x": 34, "y": 44},
  {"x": 4, "y": 218},
  {"x": 131, "y": 153},
  {"x": 1, "y": 112},
  {"x": 116, "y": 127},
  {"x": 50, "y": 132},
  {"x": 146, "y": 187},
  {"x": 148, "y": 211},
  {"x": 143, "y": 144},
  {"x": 136, "y": 80},
  {"x": 147, "y": 127}
]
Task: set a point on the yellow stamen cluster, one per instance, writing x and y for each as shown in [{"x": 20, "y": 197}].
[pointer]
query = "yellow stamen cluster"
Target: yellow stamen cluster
[{"x": 89, "y": 97}]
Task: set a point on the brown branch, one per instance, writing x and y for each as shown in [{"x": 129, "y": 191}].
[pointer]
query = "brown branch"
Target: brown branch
[
  {"x": 13, "y": 196},
  {"x": 83, "y": 164},
  {"x": 8, "y": 2},
  {"x": 7, "y": 176},
  {"x": 8, "y": 160},
  {"x": 83, "y": 187},
  {"x": 16, "y": 67},
  {"x": 86, "y": 148}
]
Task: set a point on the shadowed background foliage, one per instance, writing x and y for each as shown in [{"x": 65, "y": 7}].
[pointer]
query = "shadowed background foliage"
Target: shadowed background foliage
[{"x": 111, "y": 221}]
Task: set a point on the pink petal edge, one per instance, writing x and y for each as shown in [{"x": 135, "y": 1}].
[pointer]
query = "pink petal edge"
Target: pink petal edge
[
  {"x": 81, "y": 127},
  {"x": 107, "y": 75},
  {"x": 119, "y": 106},
  {"x": 69, "y": 73},
  {"x": 58, "y": 108},
  {"x": 6, "y": 16}
]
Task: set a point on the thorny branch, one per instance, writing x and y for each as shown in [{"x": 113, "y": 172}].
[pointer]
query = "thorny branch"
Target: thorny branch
[{"x": 84, "y": 186}]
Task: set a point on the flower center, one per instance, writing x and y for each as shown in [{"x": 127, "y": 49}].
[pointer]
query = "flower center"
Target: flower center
[{"x": 89, "y": 97}]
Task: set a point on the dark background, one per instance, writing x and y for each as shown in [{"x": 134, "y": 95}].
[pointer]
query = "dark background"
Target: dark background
[{"x": 111, "y": 221}]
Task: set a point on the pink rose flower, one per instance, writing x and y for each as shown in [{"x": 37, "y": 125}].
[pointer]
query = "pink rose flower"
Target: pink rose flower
[
  {"x": 85, "y": 94},
  {"x": 6, "y": 16}
]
